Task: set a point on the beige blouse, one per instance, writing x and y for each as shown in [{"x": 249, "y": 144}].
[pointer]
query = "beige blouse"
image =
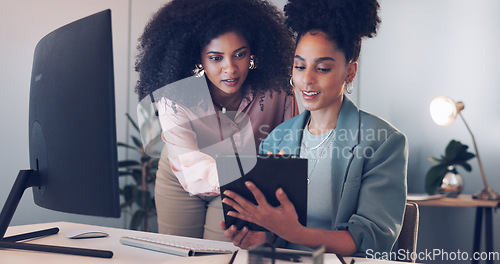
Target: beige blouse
[{"x": 195, "y": 135}]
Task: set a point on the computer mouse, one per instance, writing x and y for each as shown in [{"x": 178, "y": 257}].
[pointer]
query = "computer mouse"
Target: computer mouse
[{"x": 80, "y": 234}]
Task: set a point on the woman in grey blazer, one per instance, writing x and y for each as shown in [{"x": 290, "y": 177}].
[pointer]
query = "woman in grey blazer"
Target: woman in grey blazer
[{"x": 357, "y": 161}]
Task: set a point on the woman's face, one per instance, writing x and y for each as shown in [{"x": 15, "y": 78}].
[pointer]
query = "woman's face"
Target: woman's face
[
  {"x": 319, "y": 72},
  {"x": 226, "y": 60}
]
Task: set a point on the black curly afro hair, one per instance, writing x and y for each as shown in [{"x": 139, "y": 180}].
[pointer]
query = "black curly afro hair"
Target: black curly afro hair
[
  {"x": 345, "y": 22},
  {"x": 174, "y": 37}
]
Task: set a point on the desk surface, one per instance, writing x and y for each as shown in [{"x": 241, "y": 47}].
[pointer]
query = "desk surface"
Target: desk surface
[
  {"x": 122, "y": 254},
  {"x": 463, "y": 200}
]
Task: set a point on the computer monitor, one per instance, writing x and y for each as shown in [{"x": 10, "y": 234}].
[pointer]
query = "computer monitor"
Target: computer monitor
[{"x": 72, "y": 128}]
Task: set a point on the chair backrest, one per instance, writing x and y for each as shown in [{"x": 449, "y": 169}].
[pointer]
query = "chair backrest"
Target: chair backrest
[{"x": 409, "y": 232}]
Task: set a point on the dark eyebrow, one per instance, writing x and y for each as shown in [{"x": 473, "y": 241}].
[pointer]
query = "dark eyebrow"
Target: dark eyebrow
[
  {"x": 244, "y": 47},
  {"x": 316, "y": 60},
  {"x": 298, "y": 57},
  {"x": 215, "y": 52},
  {"x": 221, "y": 53},
  {"x": 324, "y": 59}
]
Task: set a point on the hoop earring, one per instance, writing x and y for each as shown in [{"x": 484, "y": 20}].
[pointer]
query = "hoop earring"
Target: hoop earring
[
  {"x": 253, "y": 62},
  {"x": 291, "y": 82},
  {"x": 198, "y": 70},
  {"x": 348, "y": 87}
]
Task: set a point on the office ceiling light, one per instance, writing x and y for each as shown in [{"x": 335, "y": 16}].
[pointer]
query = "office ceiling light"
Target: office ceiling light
[{"x": 443, "y": 112}]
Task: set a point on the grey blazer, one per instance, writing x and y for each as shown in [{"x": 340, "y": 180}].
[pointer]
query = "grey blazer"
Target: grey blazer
[{"x": 371, "y": 156}]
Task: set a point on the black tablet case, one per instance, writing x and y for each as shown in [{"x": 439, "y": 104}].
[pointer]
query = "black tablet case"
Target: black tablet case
[{"x": 270, "y": 173}]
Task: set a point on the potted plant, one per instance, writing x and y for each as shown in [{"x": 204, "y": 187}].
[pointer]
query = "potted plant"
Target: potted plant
[
  {"x": 138, "y": 195},
  {"x": 443, "y": 177}
]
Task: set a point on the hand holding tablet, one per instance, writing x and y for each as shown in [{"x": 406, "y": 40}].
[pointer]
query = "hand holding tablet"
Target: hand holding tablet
[{"x": 268, "y": 173}]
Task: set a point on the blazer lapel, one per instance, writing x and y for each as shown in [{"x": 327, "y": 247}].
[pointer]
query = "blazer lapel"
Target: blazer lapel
[
  {"x": 346, "y": 137},
  {"x": 292, "y": 144}
]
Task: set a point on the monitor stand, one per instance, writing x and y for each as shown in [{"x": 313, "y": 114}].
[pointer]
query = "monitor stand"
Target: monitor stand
[{"x": 24, "y": 180}]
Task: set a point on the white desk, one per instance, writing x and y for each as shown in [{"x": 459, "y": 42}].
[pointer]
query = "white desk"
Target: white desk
[{"x": 122, "y": 254}]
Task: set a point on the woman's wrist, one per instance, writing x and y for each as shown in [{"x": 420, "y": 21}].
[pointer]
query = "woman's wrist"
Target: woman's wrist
[{"x": 295, "y": 235}]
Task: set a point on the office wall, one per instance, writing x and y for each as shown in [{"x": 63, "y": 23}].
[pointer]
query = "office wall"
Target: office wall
[
  {"x": 22, "y": 24},
  {"x": 428, "y": 48}
]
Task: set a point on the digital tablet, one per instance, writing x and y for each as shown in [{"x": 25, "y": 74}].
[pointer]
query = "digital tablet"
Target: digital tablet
[{"x": 268, "y": 173}]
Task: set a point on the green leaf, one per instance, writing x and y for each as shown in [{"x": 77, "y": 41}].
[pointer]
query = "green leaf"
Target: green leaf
[
  {"x": 154, "y": 164},
  {"x": 137, "y": 171},
  {"x": 137, "y": 201},
  {"x": 137, "y": 142},
  {"x": 128, "y": 163},
  {"x": 452, "y": 150},
  {"x": 121, "y": 144},
  {"x": 137, "y": 175},
  {"x": 465, "y": 156},
  {"x": 434, "y": 159},
  {"x": 465, "y": 165},
  {"x": 145, "y": 159},
  {"x": 455, "y": 154},
  {"x": 137, "y": 219},
  {"x": 142, "y": 198},
  {"x": 128, "y": 193},
  {"x": 154, "y": 204},
  {"x": 434, "y": 178},
  {"x": 132, "y": 122},
  {"x": 151, "y": 177},
  {"x": 124, "y": 173}
]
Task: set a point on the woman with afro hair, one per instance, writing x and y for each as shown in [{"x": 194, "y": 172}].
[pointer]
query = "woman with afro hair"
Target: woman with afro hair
[
  {"x": 241, "y": 51},
  {"x": 357, "y": 161}
]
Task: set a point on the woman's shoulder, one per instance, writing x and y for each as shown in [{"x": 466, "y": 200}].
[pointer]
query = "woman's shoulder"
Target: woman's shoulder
[
  {"x": 375, "y": 131},
  {"x": 370, "y": 120},
  {"x": 290, "y": 126},
  {"x": 276, "y": 137},
  {"x": 352, "y": 115}
]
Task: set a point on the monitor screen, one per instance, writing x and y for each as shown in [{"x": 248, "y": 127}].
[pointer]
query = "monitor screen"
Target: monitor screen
[{"x": 72, "y": 128}]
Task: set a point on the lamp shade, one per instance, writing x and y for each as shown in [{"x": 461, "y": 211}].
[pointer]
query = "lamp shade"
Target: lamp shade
[{"x": 444, "y": 110}]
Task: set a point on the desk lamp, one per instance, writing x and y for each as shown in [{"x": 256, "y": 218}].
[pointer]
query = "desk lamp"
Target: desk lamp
[{"x": 443, "y": 112}]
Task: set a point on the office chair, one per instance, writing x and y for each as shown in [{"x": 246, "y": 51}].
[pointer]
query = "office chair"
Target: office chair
[{"x": 409, "y": 232}]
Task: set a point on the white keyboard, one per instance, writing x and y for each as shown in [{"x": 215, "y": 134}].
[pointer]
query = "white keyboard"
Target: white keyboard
[{"x": 173, "y": 246}]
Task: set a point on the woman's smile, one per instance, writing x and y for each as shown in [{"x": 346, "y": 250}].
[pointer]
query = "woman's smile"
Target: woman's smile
[
  {"x": 231, "y": 82},
  {"x": 309, "y": 95}
]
